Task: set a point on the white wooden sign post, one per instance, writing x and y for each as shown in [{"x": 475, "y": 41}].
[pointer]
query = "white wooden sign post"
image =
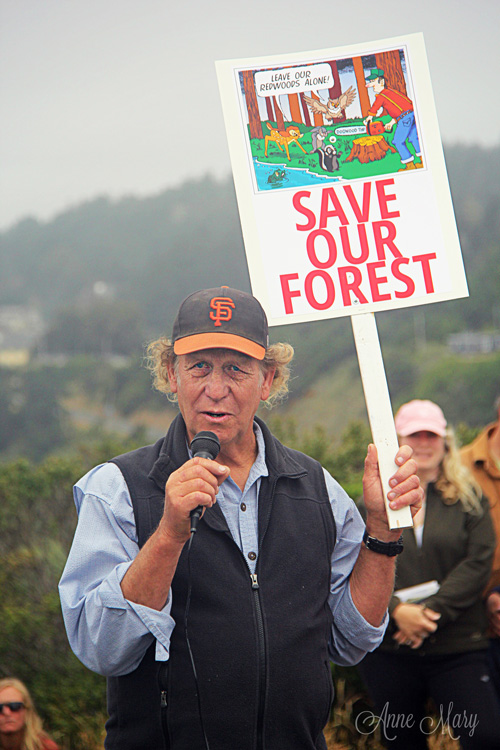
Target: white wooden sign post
[
  {"x": 378, "y": 406},
  {"x": 343, "y": 195}
]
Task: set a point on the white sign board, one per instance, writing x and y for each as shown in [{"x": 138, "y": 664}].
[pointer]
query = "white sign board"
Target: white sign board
[{"x": 341, "y": 182}]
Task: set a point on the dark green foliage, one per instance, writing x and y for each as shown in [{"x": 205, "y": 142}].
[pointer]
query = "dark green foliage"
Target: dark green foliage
[
  {"x": 345, "y": 462},
  {"x": 125, "y": 388},
  {"x": 33, "y": 422},
  {"x": 101, "y": 327},
  {"x": 36, "y": 528},
  {"x": 37, "y": 521},
  {"x": 465, "y": 434},
  {"x": 465, "y": 388}
]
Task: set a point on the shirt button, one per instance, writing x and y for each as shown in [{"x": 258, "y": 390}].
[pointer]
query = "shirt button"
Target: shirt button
[
  {"x": 252, "y": 556},
  {"x": 243, "y": 506}
]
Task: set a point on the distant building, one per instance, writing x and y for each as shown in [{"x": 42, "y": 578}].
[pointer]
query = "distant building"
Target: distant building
[
  {"x": 474, "y": 342},
  {"x": 20, "y": 330}
]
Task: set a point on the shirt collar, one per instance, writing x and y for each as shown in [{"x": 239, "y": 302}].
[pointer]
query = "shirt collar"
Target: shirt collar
[{"x": 259, "y": 467}]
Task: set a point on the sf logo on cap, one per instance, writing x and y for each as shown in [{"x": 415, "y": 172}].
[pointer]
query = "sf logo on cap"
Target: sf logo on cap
[{"x": 223, "y": 307}]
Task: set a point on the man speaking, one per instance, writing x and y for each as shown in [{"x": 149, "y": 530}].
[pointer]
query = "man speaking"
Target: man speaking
[{"x": 222, "y": 638}]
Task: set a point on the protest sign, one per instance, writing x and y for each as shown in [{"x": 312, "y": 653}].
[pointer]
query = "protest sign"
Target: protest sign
[{"x": 342, "y": 188}]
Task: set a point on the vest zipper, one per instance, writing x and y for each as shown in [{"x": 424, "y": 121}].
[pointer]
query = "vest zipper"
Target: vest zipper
[
  {"x": 262, "y": 657},
  {"x": 261, "y": 642},
  {"x": 262, "y": 660}
]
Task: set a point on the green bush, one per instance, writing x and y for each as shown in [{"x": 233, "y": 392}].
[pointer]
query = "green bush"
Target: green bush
[{"x": 37, "y": 522}]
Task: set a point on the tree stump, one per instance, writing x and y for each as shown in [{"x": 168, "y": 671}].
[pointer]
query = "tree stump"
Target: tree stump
[{"x": 369, "y": 148}]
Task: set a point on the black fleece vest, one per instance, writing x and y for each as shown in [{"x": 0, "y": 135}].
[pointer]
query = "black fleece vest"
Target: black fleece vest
[{"x": 259, "y": 644}]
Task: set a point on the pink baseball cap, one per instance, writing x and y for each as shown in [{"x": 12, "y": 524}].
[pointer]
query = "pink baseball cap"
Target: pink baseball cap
[{"x": 418, "y": 415}]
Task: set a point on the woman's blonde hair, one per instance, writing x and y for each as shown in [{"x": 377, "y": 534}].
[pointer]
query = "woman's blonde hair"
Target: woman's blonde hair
[
  {"x": 455, "y": 481},
  {"x": 160, "y": 356},
  {"x": 33, "y": 730}
]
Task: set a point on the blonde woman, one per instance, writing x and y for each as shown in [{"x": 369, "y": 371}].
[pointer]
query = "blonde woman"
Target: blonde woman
[
  {"x": 20, "y": 725},
  {"x": 435, "y": 646}
]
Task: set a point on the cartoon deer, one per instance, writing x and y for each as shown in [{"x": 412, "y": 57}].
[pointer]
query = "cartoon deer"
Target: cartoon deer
[{"x": 280, "y": 138}]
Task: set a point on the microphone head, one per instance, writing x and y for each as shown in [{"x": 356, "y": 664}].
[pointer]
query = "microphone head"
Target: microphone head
[{"x": 205, "y": 444}]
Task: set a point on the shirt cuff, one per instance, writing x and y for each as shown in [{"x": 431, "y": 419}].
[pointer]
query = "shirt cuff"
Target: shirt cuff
[
  {"x": 158, "y": 622},
  {"x": 362, "y": 634}
]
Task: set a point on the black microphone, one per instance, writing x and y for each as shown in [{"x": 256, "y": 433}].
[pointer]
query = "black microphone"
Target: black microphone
[{"x": 205, "y": 444}]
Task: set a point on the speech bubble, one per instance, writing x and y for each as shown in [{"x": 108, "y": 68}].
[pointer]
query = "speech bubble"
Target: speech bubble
[{"x": 293, "y": 80}]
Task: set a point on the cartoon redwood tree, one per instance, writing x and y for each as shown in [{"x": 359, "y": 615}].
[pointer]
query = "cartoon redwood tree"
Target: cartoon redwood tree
[
  {"x": 295, "y": 108},
  {"x": 305, "y": 109},
  {"x": 252, "y": 106},
  {"x": 390, "y": 63},
  {"x": 364, "y": 99},
  {"x": 280, "y": 122},
  {"x": 336, "y": 89}
]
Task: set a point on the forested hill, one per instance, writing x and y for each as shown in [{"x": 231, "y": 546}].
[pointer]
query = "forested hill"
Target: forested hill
[
  {"x": 148, "y": 253},
  {"x": 181, "y": 240},
  {"x": 189, "y": 237}
]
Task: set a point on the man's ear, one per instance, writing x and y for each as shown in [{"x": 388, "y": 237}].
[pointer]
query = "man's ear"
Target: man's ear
[
  {"x": 172, "y": 378},
  {"x": 267, "y": 383}
]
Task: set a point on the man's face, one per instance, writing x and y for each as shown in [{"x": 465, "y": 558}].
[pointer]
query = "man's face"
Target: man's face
[
  {"x": 220, "y": 390},
  {"x": 377, "y": 85}
]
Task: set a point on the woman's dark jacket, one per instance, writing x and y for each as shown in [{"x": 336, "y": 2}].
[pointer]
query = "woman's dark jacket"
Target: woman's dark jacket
[{"x": 457, "y": 550}]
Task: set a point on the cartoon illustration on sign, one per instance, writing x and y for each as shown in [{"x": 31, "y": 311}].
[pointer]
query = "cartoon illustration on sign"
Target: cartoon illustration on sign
[
  {"x": 400, "y": 109},
  {"x": 283, "y": 138},
  {"x": 334, "y": 109},
  {"x": 318, "y": 136},
  {"x": 329, "y": 158},
  {"x": 341, "y": 181},
  {"x": 277, "y": 177},
  {"x": 306, "y": 116}
]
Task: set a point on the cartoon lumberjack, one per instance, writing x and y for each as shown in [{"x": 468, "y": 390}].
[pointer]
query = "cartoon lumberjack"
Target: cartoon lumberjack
[{"x": 400, "y": 109}]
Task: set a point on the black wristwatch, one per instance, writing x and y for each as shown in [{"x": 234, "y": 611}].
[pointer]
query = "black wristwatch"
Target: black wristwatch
[{"x": 391, "y": 549}]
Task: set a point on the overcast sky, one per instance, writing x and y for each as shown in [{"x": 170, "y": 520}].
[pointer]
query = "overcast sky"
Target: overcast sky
[{"x": 120, "y": 97}]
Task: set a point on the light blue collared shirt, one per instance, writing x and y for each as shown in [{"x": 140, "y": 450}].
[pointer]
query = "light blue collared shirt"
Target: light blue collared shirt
[{"x": 110, "y": 634}]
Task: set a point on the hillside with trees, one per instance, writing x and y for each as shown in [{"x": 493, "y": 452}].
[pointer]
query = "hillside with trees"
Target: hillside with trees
[{"x": 105, "y": 278}]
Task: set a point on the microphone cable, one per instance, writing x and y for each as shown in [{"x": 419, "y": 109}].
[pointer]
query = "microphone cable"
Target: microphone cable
[
  {"x": 205, "y": 444},
  {"x": 186, "y": 617}
]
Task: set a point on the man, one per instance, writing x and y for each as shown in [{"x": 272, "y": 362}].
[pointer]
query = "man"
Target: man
[
  {"x": 482, "y": 457},
  {"x": 225, "y": 642},
  {"x": 400, "y": 108}
]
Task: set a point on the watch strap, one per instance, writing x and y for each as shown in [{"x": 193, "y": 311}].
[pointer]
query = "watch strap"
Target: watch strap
[{"x": 391, "y": 549}]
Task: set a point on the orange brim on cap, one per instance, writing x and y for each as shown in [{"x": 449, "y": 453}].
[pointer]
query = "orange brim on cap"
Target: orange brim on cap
[{"x": 199, "y": 341}]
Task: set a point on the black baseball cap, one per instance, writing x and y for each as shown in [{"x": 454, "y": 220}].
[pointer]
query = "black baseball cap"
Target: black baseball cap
[{"x": 221, "y": 318}]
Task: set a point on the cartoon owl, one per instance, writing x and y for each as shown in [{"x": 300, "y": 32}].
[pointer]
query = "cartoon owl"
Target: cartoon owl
[{"x": 334, "y": 107}]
